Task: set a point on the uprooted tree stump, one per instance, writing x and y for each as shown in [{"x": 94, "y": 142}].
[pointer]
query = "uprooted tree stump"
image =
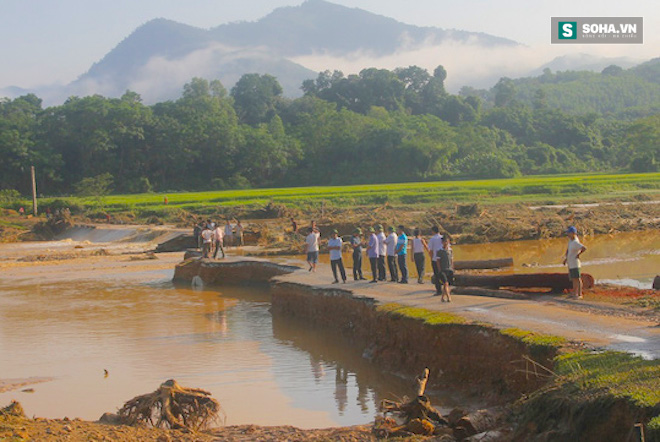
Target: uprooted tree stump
[
  {"x": 418, "y": 415},
  {"x": 172, "y": 406}
]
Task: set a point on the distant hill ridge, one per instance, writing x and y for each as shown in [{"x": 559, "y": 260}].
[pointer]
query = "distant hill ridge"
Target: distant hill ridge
[{"x": 262, "y": 46}]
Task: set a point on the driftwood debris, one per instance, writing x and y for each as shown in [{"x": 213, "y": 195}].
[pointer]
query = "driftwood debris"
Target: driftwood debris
[
  {"x": 13, "y": 409},
  {"x": 419, "y": 417},
  {"x": 416, "y": 416},
  {"x": 172, "y": 406},
  {"x": 554, "y": 281},
  {"x": 484, "y": 264}
]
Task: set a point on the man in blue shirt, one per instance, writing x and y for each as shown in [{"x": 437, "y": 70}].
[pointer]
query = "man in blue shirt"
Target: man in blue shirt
[{"x": 402, "y": 252}]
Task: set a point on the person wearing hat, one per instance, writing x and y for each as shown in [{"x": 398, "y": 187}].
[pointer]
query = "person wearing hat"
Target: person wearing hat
[
  {"x": 401, "y": 253},
  {"x": 372, "y": 254},
  {"x": 335, "y": 244},
  {"x": 572, "y": 259},
  {"x": 356, "y": 243},
  {"x": 382, "y": 252},
  {"x": 390, "y": 242}
]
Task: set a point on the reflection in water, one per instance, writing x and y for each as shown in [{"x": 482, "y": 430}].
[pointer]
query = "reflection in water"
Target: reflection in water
[
  {"x": 341, "y": 389},
  {"x": 359, "y": 386},
  {"x": 630, "y": 258},
  {"x": 144, "y": 334}
]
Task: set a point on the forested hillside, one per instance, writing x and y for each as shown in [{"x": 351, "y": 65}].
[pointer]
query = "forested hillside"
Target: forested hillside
[
  {"x": 617, "y": 92},
  {"x": 376, "y": 127}
]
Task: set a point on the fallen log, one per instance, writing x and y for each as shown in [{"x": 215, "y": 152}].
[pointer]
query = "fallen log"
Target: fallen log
[
  {"x": 481, "y": 291},
  {"x": 554, "y": 281},
  {"x": 483, "y": 264}
]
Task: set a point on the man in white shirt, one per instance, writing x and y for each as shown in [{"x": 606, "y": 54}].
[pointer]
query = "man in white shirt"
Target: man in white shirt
[
  {"x": 207, "y": 241},
  {"x": 435, "y": 244},
  {"x": 312, "y": 248},
  {"x": 218, "y": 236},
  {"x": 382, "y": 252},
  {"x": 572, "y": 259},
  {"x": 334, "y": 246},
  {"x": 390, "y": 242}
]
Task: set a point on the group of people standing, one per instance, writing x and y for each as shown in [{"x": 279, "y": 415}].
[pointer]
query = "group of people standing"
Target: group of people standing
[
  {"x": 391, "y": 249},
  {"x": 212, "y": 238}
]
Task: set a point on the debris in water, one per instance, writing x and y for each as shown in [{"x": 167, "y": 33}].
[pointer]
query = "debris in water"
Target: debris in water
[
  {"x": 419, "y": 417},
  {"x": 13, "y": 409}
]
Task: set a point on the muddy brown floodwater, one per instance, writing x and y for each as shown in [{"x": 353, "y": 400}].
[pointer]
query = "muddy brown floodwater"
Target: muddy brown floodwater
[{"x": 263, "y": 371}]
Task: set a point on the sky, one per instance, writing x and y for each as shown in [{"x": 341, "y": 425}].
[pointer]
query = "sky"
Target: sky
[{"x": 48, "y": 41}]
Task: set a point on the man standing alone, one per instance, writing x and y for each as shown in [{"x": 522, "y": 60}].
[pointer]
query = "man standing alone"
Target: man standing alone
[
  {"x": 312, "y": 248},
  {"x": 390, "y": 242},
  {"x": 572, "y": 258}
]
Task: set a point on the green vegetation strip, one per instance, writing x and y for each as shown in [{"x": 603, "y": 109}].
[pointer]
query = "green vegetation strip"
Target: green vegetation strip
[
  {"x": 428, "y": 316},
  {"x": 528, "y": 189},
  {"x": 433, "y": 317},
  {"x": 532, "y": 338},
  {"x": 619, "y": 374}
]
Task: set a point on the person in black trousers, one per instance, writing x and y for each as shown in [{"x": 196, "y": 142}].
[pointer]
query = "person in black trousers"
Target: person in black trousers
[
  {"x": 390, "y": 242},
  {"x": 356, "y": 243},
  {"x": 382, "y": 252},
  {"x": 335, "y": 245},
  {"x": 418, "y": 247},
  {"x": 402, "y": 254},
  {"x": 372, "y": 253}
]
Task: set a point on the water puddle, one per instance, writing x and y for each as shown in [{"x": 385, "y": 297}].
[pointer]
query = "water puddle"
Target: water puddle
[{"x": 263, "y": 370}]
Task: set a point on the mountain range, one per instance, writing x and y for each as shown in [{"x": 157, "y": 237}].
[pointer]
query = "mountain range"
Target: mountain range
[{"x": 291, "y": 43}]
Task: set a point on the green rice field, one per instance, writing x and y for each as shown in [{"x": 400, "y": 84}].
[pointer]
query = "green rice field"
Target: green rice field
[{"x": 536, "y": 189}]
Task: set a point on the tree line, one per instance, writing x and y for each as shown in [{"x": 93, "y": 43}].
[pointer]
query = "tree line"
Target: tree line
[{"x": 377, "y": 126}]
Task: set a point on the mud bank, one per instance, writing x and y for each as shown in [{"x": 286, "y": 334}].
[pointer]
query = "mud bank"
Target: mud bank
[
  {"x": 472, "y": 358},
  {"x": 237, "y": 272},
  {"x": 494, "y": 365}
]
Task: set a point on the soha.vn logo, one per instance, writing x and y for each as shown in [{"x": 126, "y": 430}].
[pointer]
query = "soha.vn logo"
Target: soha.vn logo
[
  {"x": 609, "y": 28},
  {"x": 567, "y": 30}
]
